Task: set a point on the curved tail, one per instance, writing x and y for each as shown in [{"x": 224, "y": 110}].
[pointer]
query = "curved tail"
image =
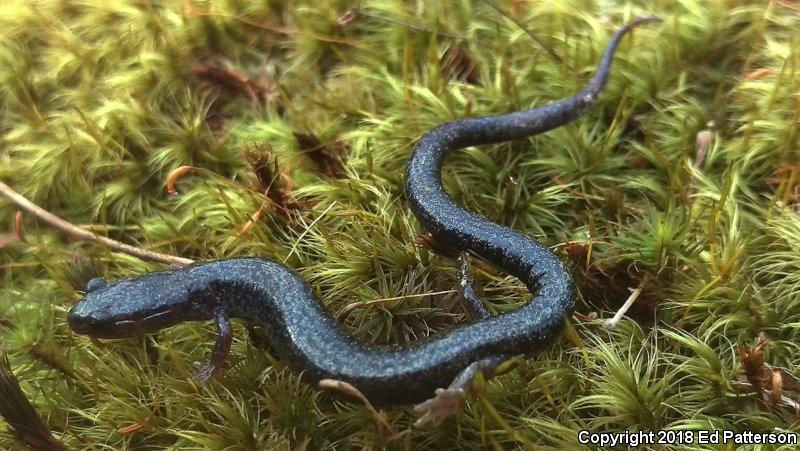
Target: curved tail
[{"x": 530, "y": 327}]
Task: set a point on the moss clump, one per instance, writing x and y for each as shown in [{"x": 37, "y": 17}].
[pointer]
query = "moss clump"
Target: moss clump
[{"x": 685, "y": 176}]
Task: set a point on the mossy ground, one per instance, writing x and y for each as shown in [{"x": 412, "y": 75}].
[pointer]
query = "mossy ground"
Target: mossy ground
[{"x": 100, "y": 101}]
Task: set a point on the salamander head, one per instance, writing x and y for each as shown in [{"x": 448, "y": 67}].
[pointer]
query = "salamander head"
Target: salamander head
[{"x": 132, "y": 307}]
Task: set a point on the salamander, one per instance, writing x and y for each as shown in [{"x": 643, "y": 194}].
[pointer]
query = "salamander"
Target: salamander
[{"x": 300, "y": 330}]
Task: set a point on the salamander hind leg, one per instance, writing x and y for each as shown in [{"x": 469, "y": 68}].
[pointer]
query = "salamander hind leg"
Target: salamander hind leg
[
  {"x": 221, "y": 348},
  {"x": 466, "y": 289},
  {"x": 448, "y": 400}
]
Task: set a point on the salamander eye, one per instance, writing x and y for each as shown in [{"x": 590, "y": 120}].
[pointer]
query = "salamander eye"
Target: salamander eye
[{"x": 95, "y": 283}]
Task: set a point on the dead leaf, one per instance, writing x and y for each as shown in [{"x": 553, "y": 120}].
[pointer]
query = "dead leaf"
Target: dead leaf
[
  {"x": 458, "y": 64},
  {"x": 765, "y": 379},
  {"x": 214, "y": 74}
]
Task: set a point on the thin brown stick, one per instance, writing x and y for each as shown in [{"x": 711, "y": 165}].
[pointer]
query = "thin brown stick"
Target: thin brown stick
[{"x": 81, "y": 234}]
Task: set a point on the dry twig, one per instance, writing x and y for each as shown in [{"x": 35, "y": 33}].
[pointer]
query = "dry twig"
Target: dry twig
[
  {"x": 612, "y": 323},
  {"x": 81, "y": 234}
]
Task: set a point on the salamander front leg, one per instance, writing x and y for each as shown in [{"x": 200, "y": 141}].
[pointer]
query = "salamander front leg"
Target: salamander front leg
[
  {"x": 221, "y": 348},
  {"x": 466, "y": 289}
]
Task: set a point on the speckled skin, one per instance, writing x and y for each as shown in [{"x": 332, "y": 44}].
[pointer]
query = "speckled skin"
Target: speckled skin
[{"x": 270, "y": 295}]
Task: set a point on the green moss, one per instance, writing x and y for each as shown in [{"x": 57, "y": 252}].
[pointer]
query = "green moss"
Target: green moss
[{"x": 98, "y": 105}]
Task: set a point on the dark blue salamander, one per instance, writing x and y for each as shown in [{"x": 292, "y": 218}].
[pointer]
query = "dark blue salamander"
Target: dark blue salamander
[{"x": 300, "y": 330}]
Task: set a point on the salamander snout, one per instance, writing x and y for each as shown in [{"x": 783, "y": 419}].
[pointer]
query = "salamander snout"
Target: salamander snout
[
  {"x": 86, "y": 322},
  {"x": 83, "y": 325},
  {"x": 90, "y": 317},
  {"x": 136, "y": 306}
]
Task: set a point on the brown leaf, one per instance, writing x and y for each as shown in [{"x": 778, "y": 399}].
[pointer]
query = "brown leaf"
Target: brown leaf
[
  {"x": 457, "y": 64},
  {"x": 753, "y": 366},
  {"x": 216, "y": 75},
  {"x": 773, "y": 381},
  {"x": 254, "y": 218}
]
